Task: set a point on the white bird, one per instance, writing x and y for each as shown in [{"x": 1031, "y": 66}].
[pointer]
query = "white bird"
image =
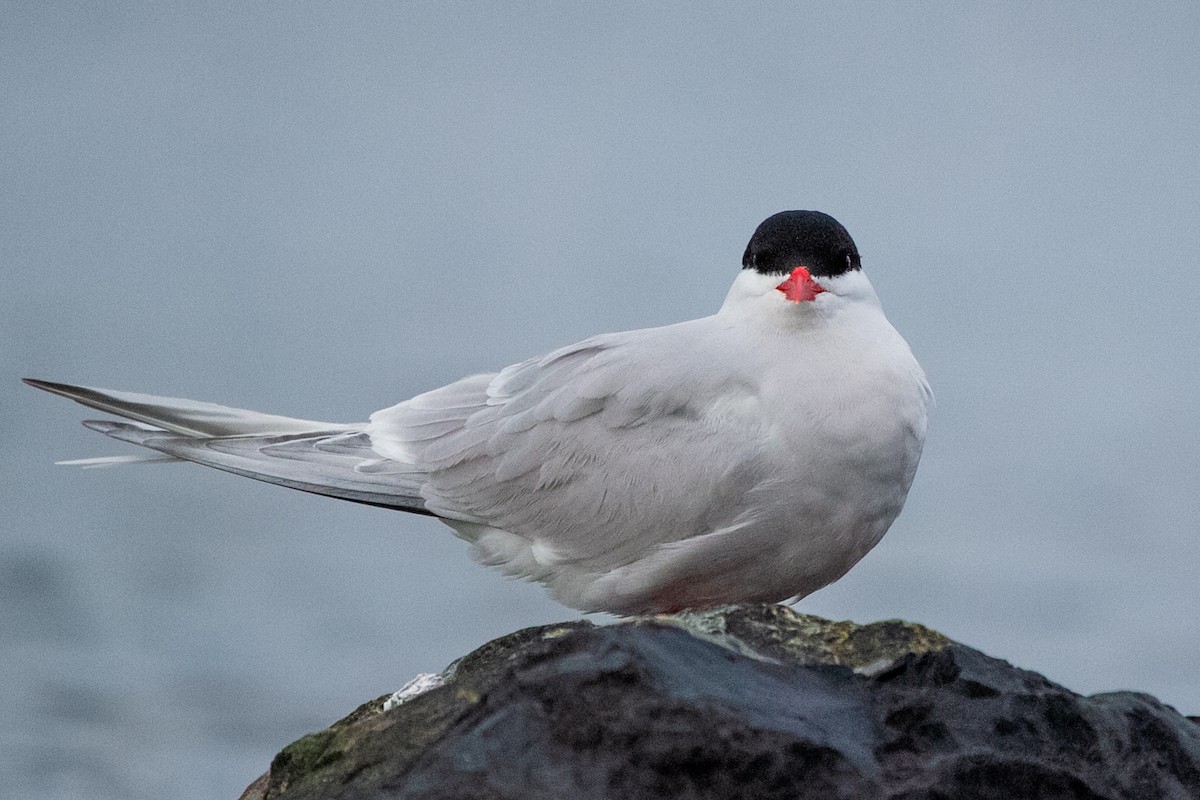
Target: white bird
[{"x": 754, "y": 455}]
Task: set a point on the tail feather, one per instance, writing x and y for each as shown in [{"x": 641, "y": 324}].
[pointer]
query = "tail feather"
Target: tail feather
[
  {"x": 114, "y": 461},
  {"x": 322, "y": 458},
  {"x": 331, "y": 463},
  {"x": 188, "y": 417}
]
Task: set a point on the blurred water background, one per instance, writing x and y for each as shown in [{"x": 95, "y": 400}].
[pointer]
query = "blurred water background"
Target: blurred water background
[{"x": 321, "y": 209}]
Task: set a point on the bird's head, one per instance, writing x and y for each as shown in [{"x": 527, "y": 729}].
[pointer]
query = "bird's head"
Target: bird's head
[{"x": 804, "y": 260}]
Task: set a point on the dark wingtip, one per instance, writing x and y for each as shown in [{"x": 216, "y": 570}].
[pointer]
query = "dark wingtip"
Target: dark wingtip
[{"x": 62, "y": 389}]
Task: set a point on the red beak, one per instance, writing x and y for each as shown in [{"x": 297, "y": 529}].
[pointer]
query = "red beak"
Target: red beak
[{"x": 800, "y": 286}]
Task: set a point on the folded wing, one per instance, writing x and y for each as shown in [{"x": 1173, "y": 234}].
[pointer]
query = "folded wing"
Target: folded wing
[{"x": 592, "y": 454}]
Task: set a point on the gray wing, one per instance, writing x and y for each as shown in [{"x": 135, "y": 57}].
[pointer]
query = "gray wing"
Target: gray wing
[{"x": 593, "y": 453}]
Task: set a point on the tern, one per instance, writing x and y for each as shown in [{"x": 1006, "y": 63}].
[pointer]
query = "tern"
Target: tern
[{"x": 754, "y": 455}]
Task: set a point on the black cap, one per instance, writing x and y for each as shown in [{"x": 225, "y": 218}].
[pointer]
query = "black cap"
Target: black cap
[{"x": 809, "y": 239}]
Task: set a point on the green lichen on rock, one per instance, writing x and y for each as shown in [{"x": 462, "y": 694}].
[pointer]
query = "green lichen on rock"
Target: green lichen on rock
[
  {"x": 857, "y": 646},
  {"x": 778, "y": 632},
  {"x": 308, "y": 754}
]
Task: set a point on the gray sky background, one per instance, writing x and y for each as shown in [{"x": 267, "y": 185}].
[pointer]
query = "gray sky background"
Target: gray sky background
[{"x": 321, "y": 209}]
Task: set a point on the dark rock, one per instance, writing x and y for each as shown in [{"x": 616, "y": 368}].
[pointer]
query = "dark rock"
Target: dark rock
[{"x": 743, "y": 702}]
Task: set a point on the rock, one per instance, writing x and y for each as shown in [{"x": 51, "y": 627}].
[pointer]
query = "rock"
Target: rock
[{"x": 742, "y": 702}]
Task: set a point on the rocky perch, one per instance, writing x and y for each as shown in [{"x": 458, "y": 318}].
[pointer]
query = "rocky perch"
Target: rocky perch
[{"x": 741, "y": 702}]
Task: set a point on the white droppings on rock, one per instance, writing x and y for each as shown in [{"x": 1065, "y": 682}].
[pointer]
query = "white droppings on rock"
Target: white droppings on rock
[{"x": 418, "y": 686}]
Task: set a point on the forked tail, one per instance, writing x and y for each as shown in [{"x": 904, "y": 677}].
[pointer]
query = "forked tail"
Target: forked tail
[{"x": 335, "y": 460}]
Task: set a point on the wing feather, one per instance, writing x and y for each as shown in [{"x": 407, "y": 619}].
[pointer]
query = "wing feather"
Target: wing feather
[{"x": 556, "y": 449}]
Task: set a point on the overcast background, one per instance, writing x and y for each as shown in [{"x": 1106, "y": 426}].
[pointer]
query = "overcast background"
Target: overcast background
[{"x": 320, "y": 210}]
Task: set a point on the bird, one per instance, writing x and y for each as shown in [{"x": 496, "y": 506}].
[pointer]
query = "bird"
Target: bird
[{"x": 750, "y": 456}]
